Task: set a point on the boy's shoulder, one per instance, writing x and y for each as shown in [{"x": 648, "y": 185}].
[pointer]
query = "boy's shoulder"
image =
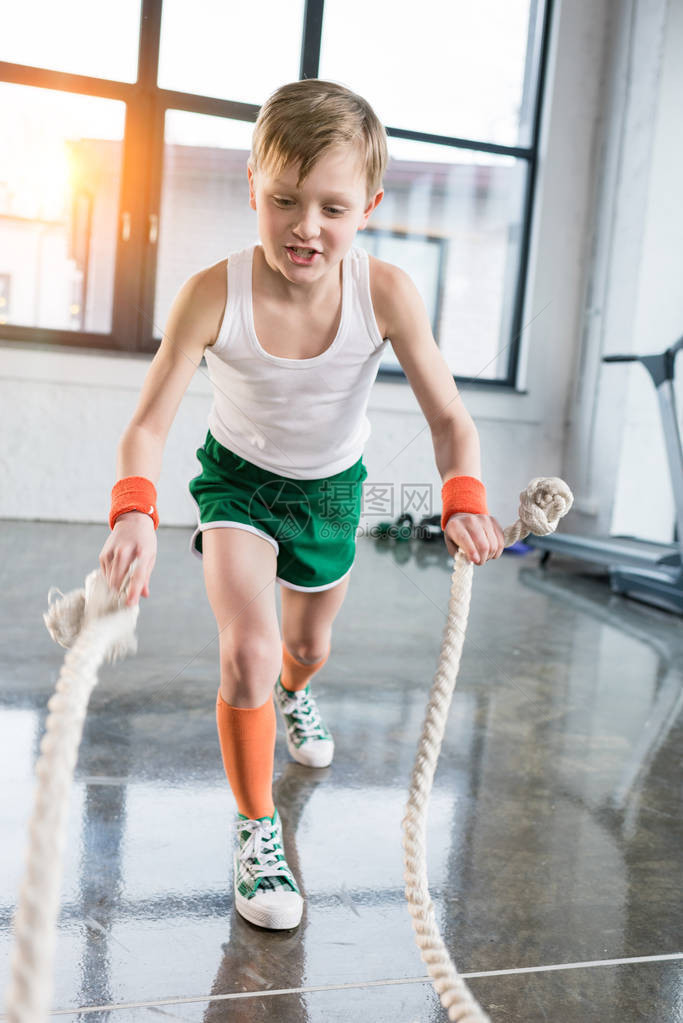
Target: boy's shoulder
[
  {"x": 214, "y": 276},
  {"x": 389, "y": 287},
  {"x": 210, "y": 295},
  {"x": 382, "y": 273}
]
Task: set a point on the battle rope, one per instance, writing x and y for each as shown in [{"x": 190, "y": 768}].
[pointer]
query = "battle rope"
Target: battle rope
[
  {"x": 96, "y": 625},
  {"x": 543, "y": 504},
  {"x": 99, "y": 626}
]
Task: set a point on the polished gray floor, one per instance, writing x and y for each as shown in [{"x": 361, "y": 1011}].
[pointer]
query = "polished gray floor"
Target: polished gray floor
[{"x": 554, "y": 824}]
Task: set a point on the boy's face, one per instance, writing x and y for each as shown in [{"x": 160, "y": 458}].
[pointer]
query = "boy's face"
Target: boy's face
[{"x": 306, "y": 232}]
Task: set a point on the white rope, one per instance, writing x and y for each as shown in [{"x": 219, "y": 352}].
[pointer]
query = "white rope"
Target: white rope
[
  {"x": 96, "y": 625},
  {"x": 543, "y": 503}
]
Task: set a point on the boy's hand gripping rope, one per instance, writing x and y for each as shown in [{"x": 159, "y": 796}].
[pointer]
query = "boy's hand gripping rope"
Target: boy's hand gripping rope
[
  {"x": 97, "y": 625},
  {"x": 543, "y": 504}
]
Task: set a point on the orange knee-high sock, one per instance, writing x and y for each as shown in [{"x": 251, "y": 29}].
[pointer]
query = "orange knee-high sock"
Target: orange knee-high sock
[
  {"x": 247, "y": 739},
  {"x": 295, "y": 675}
]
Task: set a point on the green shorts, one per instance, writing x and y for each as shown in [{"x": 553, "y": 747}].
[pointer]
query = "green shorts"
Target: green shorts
[{"x": 311, "y": 523}]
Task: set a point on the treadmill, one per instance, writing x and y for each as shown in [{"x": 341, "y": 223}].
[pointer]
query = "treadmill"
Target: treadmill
[{"x": 647, "y": 571}]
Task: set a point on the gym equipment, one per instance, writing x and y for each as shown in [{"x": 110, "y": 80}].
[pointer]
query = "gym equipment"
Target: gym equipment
[
  {"x": 405, "y": 528},
  {"x": 401, "y": 529},
  {"x": 642, "y": 569},
  {"x": 429, "y": 528},
  {"x": 97, "y": 625},
  {"x": 542, "y": 504}
]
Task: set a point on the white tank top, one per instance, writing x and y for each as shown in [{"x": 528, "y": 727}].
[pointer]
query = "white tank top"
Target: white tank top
[{"x": 303, "y": 418}]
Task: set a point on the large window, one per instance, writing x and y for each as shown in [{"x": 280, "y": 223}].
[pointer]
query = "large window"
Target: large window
[{"x": 123, "y": 168}]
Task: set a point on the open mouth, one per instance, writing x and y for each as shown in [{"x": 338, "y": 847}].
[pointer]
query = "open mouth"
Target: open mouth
[{"x": 302, "y": 255}]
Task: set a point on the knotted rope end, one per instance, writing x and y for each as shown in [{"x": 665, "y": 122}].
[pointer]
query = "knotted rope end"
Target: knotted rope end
[{"x": 543, "y": 503}]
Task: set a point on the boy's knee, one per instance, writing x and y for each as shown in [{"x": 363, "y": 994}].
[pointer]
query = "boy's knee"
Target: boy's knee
[
  {"x": 250, "y": 667},
  {"x": 308, "y": 652}
]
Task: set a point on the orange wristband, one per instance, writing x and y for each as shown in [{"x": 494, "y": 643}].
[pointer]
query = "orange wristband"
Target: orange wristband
[
  {"x": 462, "y": 494},
  {"x": 133, "y": 493}
]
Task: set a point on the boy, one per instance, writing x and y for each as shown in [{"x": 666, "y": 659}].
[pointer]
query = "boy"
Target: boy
[{"x": 293, "y": 329}]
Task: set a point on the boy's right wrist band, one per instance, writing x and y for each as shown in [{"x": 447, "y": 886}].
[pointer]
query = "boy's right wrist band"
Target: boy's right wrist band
[
  {"x": 133, "y": 493},
  {"x": 462, "y": 494}
]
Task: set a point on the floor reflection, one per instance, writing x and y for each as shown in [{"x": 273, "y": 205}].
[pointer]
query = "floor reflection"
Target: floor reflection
[{"x": 553, "y": 825}]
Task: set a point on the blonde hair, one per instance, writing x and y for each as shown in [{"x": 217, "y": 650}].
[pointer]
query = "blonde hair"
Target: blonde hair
[{"x": 300, "y": 121}]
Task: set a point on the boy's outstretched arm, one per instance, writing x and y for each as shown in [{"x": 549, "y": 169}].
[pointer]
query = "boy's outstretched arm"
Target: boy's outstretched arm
[
  {"x": 402, "y": 315},
  {"x": 190, "y": 328}
]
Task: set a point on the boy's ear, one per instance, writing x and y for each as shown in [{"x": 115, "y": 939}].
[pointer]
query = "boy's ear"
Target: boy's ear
[
  {"x": 252, "y": 193},
  {"x": 373, "y": 204}
]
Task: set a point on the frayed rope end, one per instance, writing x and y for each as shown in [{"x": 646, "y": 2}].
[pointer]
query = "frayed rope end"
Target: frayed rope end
[{"x": 66, "y": 617}]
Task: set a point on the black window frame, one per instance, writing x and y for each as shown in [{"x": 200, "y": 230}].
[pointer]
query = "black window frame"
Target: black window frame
[{"x": 146, "y": 104}]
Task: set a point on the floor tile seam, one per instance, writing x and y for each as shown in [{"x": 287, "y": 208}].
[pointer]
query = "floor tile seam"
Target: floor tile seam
[{"x": 359, "y": 985}]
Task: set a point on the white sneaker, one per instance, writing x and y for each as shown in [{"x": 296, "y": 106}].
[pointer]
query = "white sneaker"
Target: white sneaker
[
  {"x": 266, "y": 893},
  {"x": 308, "y": 740}
]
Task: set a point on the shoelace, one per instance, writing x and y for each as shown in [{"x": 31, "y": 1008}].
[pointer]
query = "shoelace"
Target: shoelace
[
  {"x": 305, "y": 714},
  {"x": 261, "y": 835}
]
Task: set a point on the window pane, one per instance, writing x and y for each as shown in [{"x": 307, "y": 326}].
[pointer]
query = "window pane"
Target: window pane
[
  {"x": 451, "y": 219},
  {"x": 205, "y": 212},
  {"x": 232, "y": 51},
  {"x": 464, "y": 79},
  {"x": 79, "y": 36},
  {"x": 59, "y": 195}
]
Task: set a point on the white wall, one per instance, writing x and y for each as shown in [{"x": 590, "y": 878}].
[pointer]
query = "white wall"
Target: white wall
[
  {"x": 632, "y": 300},
  {"x": 62, "y": 411},
  {"x": 658, "y": 320}
]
